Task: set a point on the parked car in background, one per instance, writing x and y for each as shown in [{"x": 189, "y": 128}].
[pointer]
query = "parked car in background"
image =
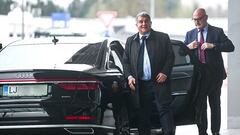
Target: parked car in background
[
  {"x": 50, "y": 32},
  {"x": 71, "y": 85}
]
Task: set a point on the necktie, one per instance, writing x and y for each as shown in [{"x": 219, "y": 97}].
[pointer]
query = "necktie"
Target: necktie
[
  {"x": 141, "y": 57},
  {"x": 202, "y": 52}
]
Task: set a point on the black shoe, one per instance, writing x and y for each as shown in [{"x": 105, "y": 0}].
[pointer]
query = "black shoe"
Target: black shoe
[
  {"x": 215, "y": 133},
  {"x": 203, "y": 133}
]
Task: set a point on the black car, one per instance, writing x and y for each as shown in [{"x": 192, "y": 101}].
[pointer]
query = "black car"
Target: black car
[{"x": 75, "y": 85}]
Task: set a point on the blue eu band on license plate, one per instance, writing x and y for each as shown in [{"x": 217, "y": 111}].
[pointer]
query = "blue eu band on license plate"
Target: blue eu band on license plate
[{"x": 5, "y": 90}]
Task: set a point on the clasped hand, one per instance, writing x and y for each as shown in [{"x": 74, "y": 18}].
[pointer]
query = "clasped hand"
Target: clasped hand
[{"x": 205, "y": 45}]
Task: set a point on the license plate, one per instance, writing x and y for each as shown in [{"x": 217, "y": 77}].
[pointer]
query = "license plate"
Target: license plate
[{"x": 25, "y": 90}]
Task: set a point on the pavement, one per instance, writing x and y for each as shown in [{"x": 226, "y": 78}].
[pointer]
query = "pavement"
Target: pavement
[{"x": 193, "y": 130}]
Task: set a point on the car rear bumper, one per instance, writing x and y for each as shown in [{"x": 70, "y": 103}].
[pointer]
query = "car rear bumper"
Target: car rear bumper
[
  {"x": 64, "y": 129},
  {"x": 83, "y": 129}
]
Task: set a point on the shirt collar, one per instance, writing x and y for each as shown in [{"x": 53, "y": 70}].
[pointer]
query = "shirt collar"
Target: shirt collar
[
  {"x": 147, "y": 35},
  {"x": 205, "y": 29}
]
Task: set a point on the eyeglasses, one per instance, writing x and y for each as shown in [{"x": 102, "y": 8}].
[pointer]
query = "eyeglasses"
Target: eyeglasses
[{"x": 198, "y": 19}]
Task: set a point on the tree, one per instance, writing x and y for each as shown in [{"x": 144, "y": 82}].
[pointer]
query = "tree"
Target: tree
[
  {"x": 89, "y": 8},
  {"x": 75, "y": 8},
  {"x": 49, "y": 8},
  {"x": 80, "y": 8},
  {"x": 5, "y": 6},
  {"x": 124, "y": 8}
]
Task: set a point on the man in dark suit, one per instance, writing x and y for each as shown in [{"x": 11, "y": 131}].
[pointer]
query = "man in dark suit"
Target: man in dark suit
[
  {"x": 148, "y": 73},
  {"x": 207, "y": 42}
]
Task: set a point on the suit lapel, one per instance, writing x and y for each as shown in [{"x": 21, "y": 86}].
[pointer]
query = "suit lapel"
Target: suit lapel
[
  {"x": 209, "y": 33},
  {"x": 195, "y": 35},
  {"x": 150, "y": 45}
]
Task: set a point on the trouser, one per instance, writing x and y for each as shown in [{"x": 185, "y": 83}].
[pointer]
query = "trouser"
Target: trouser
[
  {"x": 215, "y": 106},
  {"x": 120, "y": 114},
  {"x": 144, "y": 113}
]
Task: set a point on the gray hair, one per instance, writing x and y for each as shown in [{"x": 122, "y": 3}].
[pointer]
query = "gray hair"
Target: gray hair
[{"x": 143, "y": 14}]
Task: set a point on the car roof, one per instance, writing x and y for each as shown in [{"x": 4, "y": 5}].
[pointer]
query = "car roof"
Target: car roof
[{"x": 63, "y": 40}]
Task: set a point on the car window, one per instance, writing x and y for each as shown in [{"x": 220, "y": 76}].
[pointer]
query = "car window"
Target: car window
[
  {"x": 116, "y": 54},
  {"x": 87, "y": 55},
  {"x": 179, "y": 59},
  {"x": 36, "y": 56},
  {"x": 48, "y": 55},
  {"x": 117, "y": 46},
  {"x": 116, "y": 60}
]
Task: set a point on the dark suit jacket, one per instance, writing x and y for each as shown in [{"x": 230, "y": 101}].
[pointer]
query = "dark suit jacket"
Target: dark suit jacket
[
  {"x": 214, "y": 58},
  {"x": 161, "y": 58}
]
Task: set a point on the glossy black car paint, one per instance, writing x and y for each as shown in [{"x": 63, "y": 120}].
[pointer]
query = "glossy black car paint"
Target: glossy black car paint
[{"x": 82, "y": 101}]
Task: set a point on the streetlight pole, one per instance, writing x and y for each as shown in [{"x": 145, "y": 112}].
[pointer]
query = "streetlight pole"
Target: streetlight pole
[
  {"x": 152, "y": 8},
  {"x": 23, "y": 25}
]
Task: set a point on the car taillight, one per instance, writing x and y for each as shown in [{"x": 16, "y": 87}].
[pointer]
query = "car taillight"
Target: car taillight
[
  {"x": 82, "y": 118},
  {"x": 79, "y": 86}
]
